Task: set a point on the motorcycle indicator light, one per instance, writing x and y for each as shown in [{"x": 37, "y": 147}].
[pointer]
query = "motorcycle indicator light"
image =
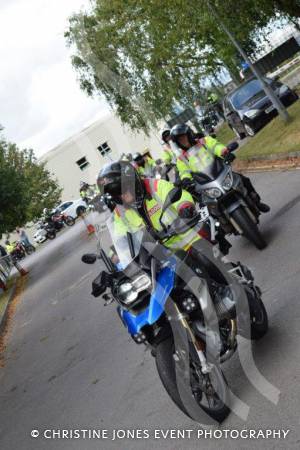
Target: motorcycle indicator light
[{"x": 227, "y": 182}]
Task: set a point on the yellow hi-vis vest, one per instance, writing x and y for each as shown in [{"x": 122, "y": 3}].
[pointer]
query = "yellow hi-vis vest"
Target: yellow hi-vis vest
[
  {"x": 128, "y": 219},
  {"x": 148, "y": 169},
  {"x": 168, "y": 156},
  {"x": 199, "y": 157}
]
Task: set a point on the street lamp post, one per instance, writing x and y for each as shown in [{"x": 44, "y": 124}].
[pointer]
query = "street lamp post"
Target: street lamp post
[{"x": 269, "y": 92}]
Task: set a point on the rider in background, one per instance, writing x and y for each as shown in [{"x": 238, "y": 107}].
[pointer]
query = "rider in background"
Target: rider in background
[
  {"x": 23, "y": 237},
  {"x": 144, "y": 164},
  {"x": 197, "y": 154}
]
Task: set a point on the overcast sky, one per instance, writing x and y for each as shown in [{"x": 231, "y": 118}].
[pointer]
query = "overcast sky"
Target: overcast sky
[{"x": 41, "y": 103}]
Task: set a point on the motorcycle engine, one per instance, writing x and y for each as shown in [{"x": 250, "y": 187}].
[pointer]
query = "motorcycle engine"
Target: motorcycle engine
[{"x": 224, "y": 303}]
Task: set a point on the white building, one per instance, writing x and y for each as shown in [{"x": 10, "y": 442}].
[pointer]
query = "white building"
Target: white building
[{"x": 80, "y": 157}]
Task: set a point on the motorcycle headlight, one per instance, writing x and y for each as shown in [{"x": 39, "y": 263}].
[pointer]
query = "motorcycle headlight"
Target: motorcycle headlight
[
  {"x": 128, "y": 292},
  {"x": 227, "y": 182},
  {"x": 213, "y": 192},
  {"x": 252, "y": 113}
]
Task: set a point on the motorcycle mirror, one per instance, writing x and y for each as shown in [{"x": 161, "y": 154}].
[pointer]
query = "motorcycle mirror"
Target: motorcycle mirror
[
  {"x": 89, "y": 258},
  {"x": 173, "y": 196},
  {"x": 232, "y": 146},
  {"x": 131, "y": 245}
]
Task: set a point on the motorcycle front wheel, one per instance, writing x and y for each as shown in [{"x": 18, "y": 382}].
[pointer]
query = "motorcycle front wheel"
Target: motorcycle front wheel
[
  {"x": 210, "y": 391},
  {"x": 249, "y": 229},
  {"x": 259, "y": 321}
]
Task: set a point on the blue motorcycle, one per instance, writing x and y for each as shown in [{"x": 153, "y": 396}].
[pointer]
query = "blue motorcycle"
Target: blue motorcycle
[{"x": 190, "y": 330}]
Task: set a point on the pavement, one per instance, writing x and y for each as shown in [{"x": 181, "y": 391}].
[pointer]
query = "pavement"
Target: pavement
[{"x": 70, "y": 364}]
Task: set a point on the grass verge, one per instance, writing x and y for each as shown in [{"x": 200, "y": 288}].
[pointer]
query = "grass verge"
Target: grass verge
[
  {"x": 275, "y": 138},
  {"x": 225, "y": 134},
  {"x": 11, "y": 309},
  {"x": 4, "y": 297}
]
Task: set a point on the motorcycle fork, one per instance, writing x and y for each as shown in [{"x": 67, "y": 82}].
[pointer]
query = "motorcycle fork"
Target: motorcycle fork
[{"x": 197, "y": 343}]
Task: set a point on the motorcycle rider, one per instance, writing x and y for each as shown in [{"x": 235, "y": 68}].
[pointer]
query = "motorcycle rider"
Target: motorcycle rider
[
  {"x": 135, "y": 202},
  {"x": 84, "y": 191},
  {"x": 168, "y": 155},
  {"x": 9, "y": 247},
  {"x": 23, "y": 237},
  {"x": 145, "y": 165},
  {"x": 138, "y": 202},
  {"x": 197, "y": 154},
  {"x": 47, "y": 215}
]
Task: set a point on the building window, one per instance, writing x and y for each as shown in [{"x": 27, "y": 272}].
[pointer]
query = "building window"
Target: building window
[
  {"x": 104, "y": 149},
  {"x": 82, "y": 163}
]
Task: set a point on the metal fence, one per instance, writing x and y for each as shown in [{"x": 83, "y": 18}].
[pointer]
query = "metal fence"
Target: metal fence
[{"x": 6, "y": 265}]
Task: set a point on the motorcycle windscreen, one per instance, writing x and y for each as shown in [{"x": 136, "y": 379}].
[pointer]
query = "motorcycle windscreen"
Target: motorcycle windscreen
[
  {"x": 210, "y": 172},
  {"x": 113, "y": 238},
  {"x": 126, "y": 245}
]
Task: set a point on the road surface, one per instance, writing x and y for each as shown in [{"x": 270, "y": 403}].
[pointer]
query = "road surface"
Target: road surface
[{"x": 70, "y": 364}]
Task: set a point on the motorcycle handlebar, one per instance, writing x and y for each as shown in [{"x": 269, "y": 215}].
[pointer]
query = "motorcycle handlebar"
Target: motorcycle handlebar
[{"x": 173, "y": 230}]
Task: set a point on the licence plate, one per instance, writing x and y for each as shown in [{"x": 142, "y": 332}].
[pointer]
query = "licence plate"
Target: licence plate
[
  {"x": 268, "y": 110},
  {"x": 204, "y": 213}
]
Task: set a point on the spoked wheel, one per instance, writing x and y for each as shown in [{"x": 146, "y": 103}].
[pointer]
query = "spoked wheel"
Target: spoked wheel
[{"x": 209, "y": 390}]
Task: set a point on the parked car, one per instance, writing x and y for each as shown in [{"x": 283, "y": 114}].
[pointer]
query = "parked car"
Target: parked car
[
  {"x": 71, "y": 208},
  {"x": 247, "y": 108}
]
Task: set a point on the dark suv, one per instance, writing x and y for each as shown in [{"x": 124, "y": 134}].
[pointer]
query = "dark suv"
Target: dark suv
[{"x": 247, "y": 108}]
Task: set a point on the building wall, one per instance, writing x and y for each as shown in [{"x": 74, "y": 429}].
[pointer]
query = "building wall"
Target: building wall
[{"x": 61, "y": 161}]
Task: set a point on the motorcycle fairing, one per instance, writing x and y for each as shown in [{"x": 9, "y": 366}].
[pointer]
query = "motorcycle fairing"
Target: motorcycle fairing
[{"x": 164, "y": 286}]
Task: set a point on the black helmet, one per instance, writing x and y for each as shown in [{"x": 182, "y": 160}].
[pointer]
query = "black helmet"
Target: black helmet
[
  {"x": 182, "y": 129},
  {"x": 118, "y": 177},
  {"x": 138, "y": 159},
  {"x": 166, "y": 132}
]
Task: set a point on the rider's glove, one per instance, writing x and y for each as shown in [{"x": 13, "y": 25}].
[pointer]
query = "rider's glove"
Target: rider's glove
[
  {"x": 187, "y": 210},
  {"x": 187, "y": 184}
]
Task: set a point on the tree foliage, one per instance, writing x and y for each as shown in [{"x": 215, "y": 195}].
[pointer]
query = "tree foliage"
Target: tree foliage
[
  {"x": 26, "y": 187},
  {"x": 144, "y": 55}
]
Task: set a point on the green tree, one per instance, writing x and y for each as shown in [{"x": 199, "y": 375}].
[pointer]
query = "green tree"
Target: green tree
[
  {"x": 146, "y": 55},
  {"x": 26, "y": 187}
]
